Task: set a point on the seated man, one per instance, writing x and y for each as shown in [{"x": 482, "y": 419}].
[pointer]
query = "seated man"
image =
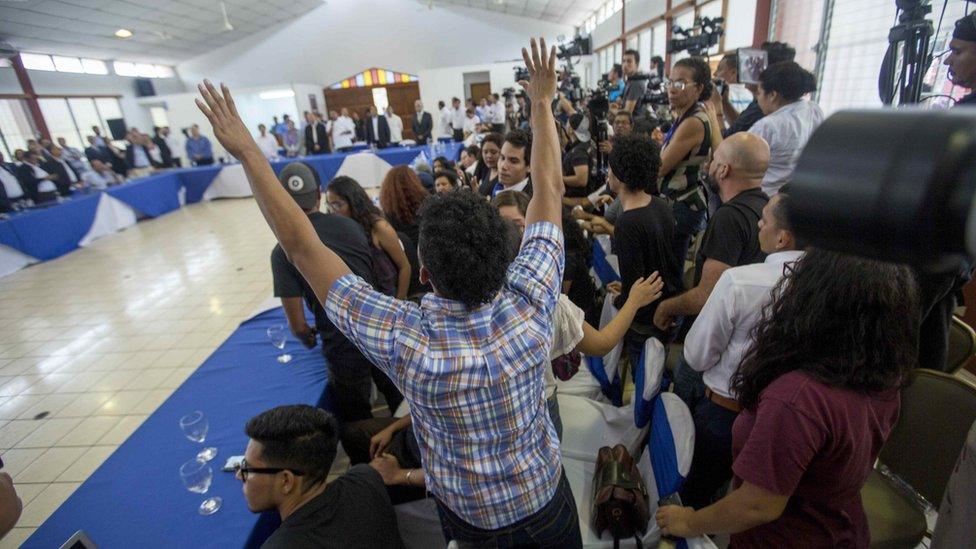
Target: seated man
[
  {"x": 38, "y": 183},
  {"x": 101, "y": 176},
  {"x": 718, "y": 341},
  {"x": 471, "y": 358},
  {"x": 731, "y": 239},
  {"x": 285, "y": 466},
  {"x": 347, "y": 393}
]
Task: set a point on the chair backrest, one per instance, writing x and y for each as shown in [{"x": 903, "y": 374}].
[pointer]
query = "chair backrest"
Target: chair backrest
[
  {"x": 648, "y": 375},
  {"x": 936, "y": 412},
  {"x": 962, "y": 345},
  {"x": 605, "y": 265},
  {"x": 606, "y": 369}
]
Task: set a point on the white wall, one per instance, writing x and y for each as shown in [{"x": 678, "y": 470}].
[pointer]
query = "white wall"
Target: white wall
[
  {"x": 61, "y": 83},
  {"x": 302, "y": 91},
  {"x": 342, "y": 38},
  {"x": 446, "y": 82}
]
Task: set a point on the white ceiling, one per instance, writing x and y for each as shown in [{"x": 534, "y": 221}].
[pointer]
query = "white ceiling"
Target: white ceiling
[
  {"x": 164, "y": 31},
  {"x": 567, "y": 12}
]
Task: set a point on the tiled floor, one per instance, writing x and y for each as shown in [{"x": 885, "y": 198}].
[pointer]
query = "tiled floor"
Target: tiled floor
[{"x": 93, "y": 342}]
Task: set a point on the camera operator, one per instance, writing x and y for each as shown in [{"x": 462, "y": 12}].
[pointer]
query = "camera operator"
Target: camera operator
[
  {"x": 728, "y": 70},
  {"x": 635, "y": 87},
  {"x": 623, "y": 125},
  {"x": 685, "y": 148},
  {"x": 578, "y": 157},
  {"x": 962, "y": 58}
]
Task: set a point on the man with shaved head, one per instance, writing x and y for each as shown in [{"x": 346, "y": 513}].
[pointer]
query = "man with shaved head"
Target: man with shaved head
[{"x": 731, "y": 239}]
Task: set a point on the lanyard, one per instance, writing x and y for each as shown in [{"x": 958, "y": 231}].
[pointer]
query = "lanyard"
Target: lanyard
[{"x": 674, "y": 127}]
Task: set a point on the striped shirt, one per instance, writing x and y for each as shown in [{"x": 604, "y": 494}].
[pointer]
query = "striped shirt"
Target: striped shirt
[{"x": 475, "y": 381}]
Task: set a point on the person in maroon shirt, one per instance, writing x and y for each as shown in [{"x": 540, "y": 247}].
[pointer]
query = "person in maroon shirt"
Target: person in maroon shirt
[{"x": 820, "y": 396}]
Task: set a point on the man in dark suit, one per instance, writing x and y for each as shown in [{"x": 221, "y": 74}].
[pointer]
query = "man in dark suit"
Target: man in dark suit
[
  {"x": 513, "y": 166},
  {"x": 316, "y": 138},
  {"x": 38, "y": 183},
  {"x": 423, "y": 123},
  {"x": 164, "y": 151},
  {"x": 377, "y": 129},
  {"x": 101, "y": 151},
  {"x": 66, "y": 175},
  {"x": 11, "y": 190}
]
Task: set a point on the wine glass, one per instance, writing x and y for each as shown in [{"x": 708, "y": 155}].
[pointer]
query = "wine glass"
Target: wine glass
[
  {"x": 197, "y": 475},
  {"x": 195, "y": 427},
  {"x": 277, "y": 336}
]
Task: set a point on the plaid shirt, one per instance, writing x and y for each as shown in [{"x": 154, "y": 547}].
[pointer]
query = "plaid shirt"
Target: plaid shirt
[{"x": 474, "y": 380}]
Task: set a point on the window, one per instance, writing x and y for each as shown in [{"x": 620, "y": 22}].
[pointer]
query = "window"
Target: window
[
  {"x": 108, "y": 109},
  {"x": 59, "y": 120},
  {"x": 142, "y": 70},
  {"x": 37, "y": 62},
  {"x": 67, "y": 64},
  {"x": 644, "y": 45},
  {"x": 86, "y": 115},
  {"x": 798, "y": 23},
  {"x": 159, "y": 116},
  {"x": 711, "y": 10},
  {"x": 380, "y": 99},
  {"x": 16, "y": 126},
  {"x": 659, "y": 39},
  {"x": 741, "y": 24},
  {"x": 94, "y": 66},
  {"x": 4, "y": 62}
]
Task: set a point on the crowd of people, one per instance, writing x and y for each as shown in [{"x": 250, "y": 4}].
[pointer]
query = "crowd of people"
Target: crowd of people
[
  {"x": 465, "y": 291},
  {"x": 468, "y": 291}
]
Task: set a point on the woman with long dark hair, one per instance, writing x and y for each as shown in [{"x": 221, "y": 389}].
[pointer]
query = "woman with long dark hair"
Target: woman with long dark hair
[
  {"x": 820, "y": 395},
  {"x": 401, "y": 195},
  {"x": 486, "y": 171},
  {"x": 391, "y": 268}
]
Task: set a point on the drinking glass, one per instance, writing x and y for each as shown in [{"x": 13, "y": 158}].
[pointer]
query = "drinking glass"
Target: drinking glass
[
  {"x": 277, "y": 336},
  {"x": 197, "y": 475},
  {"x": 195, "y": 427}
]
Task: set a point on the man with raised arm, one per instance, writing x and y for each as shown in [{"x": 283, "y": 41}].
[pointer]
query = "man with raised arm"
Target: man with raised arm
[{"x": 470, "y": 358}]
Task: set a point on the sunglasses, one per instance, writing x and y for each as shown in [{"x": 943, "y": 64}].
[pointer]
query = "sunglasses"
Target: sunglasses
[{"x": 243, "y": 470}]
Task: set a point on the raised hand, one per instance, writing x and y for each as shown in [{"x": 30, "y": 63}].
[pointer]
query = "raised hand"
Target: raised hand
[
  {"x": 228, "y": 127},
  {"x": 541, "y": 66}
]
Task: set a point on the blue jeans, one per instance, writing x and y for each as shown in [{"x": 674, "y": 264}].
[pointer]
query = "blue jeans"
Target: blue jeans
[
  {"x": 688, "y": 384},
  {"x": 556, "y": 525},
  {"x": 688, "y": 223}
]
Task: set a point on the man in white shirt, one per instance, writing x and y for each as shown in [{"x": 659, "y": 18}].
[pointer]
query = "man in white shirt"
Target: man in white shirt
[
  {"x": 457, "y": 119},
  {"x": 101, "y": 176},
  {"x": 396, "y": 125},
  {"x": 444, "y": 123},
  {"x": 471, "y": 122},
  {"x": 497, "y": 114},
  {"x": 343, "y": 131},
  {"x": 719, "y": 340},
  {"x": 266, "y": 142}
]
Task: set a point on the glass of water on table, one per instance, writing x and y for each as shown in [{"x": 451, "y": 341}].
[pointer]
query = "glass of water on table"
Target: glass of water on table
[
  {"x": 277, "y": 336},
  {"x": 197, "y": 475}
]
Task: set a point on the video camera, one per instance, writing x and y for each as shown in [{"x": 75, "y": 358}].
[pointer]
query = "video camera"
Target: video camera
[
  {"x": 521, "y": 73},
  {"x": 709, "y": 31},
  {"x": 581, "y": 45}
]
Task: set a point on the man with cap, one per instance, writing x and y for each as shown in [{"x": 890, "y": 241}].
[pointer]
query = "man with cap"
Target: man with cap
[
  {"x": 578, "y": 157},
  {"x": 349, "y": 388},
  {"x": 962, "y": 57}
]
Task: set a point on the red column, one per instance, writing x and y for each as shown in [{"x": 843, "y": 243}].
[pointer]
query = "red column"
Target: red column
[
  {"x": 31, "y": 97},
  {"x": 760, "y": 33}
]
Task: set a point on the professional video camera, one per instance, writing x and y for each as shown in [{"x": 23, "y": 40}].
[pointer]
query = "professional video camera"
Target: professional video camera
[
  {"x": 581, "y": 45},
  {"x": 521, "y": 73},
  {"x": 709, "y": 31},
  {"x": 598, "y": 106}
]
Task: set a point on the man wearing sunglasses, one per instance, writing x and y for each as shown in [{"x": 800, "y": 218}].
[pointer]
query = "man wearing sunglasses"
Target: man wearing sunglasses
[{"x": 288, "y": 457}]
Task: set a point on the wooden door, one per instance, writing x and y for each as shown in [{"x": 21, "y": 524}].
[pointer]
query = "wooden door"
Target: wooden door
[
  {"x": 480, "y": 91},
  {"x": 401, "y": 97}
]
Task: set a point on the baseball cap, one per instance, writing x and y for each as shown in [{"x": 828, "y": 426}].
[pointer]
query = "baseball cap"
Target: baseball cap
[{"x": 302, "y": 183}]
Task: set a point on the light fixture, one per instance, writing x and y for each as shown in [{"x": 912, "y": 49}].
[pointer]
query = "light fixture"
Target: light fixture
[
  {"x": 123, "y": 33},
  {"x": 276, "y": 94}
]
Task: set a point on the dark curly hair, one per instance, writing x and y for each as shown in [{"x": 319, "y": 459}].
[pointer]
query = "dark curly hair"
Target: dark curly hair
[
  {"x": 482, "y": 169},
  {"x": 701, "y": 74},
  {"x": 521, "y": 139},
  {"x": 777, "y": 52},
  {"x": 635, "y": 160},
  {"x": 450, "y": 176},
  {"x": 401, "y": 195},
  {"x": 846, "y": 321},
  {"x": 361, "y": 208},
  {"x": 464, "y": 245},
  {"x": 788, "y": 79}
]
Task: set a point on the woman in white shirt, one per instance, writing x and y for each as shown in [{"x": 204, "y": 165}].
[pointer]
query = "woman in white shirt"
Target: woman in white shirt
[{"x": 789, "y": 120}]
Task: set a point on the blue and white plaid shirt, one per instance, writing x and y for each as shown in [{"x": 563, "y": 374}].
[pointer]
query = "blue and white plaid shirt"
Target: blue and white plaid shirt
[{"x": 474, "y": 380}]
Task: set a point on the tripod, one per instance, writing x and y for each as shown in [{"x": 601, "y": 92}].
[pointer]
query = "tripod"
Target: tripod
[{"x": 910, "y": 38}]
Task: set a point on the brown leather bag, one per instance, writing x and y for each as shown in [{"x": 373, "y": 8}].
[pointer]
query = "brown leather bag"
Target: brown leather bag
[{"x": 619, "y": 496}]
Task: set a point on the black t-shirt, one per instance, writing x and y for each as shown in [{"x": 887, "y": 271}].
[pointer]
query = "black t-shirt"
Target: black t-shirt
[
  {"x": 746, "y": 119},
  {"x": 634, "y": 91},
  {"x": 732, "y": 236},
  {"x": 578, "y": 155},
  {"x": 582, "y": 291},
  {"x": 348, "y": 240},
  {"x": 354, "y": 511},
  {"x": 643, "y": 240}
]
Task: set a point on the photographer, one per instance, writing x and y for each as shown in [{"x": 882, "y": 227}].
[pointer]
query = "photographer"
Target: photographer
[
  {"x": 685, "y": 148},
  {"x": 616, "y": 79},
  {"x": 635, "y": 87},
  {"x": 728, "y": 70},
  {"x": 577, "y": 157},
  {"x": 623, "y": 125}
]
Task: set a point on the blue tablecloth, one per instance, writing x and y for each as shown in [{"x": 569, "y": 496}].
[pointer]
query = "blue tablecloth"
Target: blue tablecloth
[
  {"x": 52, "y": 232},
  {"x": 136, "y": 498}
]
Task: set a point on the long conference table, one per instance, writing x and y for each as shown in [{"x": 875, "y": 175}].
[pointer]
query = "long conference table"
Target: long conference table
[{"x": 43, "y": 234}]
